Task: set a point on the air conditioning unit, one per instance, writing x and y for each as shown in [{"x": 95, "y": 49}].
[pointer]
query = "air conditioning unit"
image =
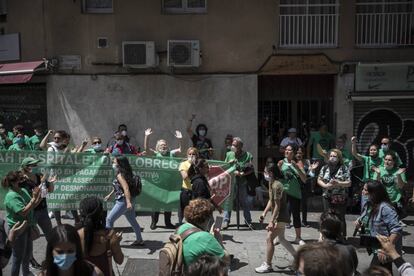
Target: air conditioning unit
[
  {"x": 139, "y": 54},
  {"x": 184, "y": 53}
]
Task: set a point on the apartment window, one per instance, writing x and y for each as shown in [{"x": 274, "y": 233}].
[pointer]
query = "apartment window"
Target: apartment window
[
  {"x": 97, "y": 6},
  {"x": 184, "y": 6},
  {"x": 385, "y": 23},
  {"x": 308, "y": 23}
]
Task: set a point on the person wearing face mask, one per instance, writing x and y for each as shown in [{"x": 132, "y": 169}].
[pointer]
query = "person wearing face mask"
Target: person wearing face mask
[
  {"x": 244, "y": 167},
  {"x": 19, "y": 207},
  {"x": 5, "y": 141},
  {"x": 18, "y": 134},
  {"x": 199, "y": 218},
  {"x": 37, "y": 137},
  {"x": 334, "y": 179},
  {"x": 186, "y": 189},
  {"x": 279, "y": 218},
  {"x": 96, "y": 146},
  {"x": 31, "y": 180},
  {"x": 199, "y": 139},
  {"x": 161, "y": 150},
  {"x": 394, "y": 179},
  {"x": 19, "y": 143},
  {"x": 64, "y": 255},
  {"x": 293, "y": 173},
  {"x": 198, "y": 173},
  {"x": 385, "y": 148},
  {"x": 379, "y": 217},
  {"x": 370, "y": 161},
  {"x": 124, "y": 201},
  {"x": 121, "y": 146}
]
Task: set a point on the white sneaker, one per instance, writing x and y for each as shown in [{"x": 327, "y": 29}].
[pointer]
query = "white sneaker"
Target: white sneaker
[
  {"x": 299, "y": 241},
  {"x": 264, "y": 268},
  {"x": 402, "y": 224}
]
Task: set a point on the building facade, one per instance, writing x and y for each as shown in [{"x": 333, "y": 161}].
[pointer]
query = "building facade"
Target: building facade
[{"x": 260, "y": 67}]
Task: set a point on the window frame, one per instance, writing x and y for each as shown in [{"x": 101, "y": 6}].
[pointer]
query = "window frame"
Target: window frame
[
  {"x": 97, "y": 10},
  {"x": 184, "y": 9}
]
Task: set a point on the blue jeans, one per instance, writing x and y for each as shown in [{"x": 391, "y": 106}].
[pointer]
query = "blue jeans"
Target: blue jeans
[
  {"x": 245, "y": 201},
  {"x": 21, "y": 253},
  {"x": 119, "y": 209},
  {"x": 44, "y": 222}
]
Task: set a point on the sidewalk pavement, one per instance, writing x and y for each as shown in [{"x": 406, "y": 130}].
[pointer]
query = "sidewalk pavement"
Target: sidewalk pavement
[{"x": 248, "y": 246}]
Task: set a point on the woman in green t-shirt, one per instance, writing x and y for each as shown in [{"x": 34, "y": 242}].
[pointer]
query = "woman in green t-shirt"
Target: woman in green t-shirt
[
  {"x": 393, "y": 178},
  {"x": 293, "y": 174},
  {"x": 19, "y": 207}
]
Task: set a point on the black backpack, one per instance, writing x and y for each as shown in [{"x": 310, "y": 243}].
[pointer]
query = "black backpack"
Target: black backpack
[{"x": 135, "y": 187}]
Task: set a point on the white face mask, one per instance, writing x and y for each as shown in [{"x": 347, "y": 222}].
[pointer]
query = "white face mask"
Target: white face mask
[
  {"x": 120, "y": 142},
  {"x": 115, "y": 166},
  {"x": 191, "y": 158},
  {"x": 384, "y": 147},
  {"x": 202, "y": 132},
  {"x": 267, "y": 177},
  {"x": 233, "y": 149},
  {"x": 124, "y": 133}
]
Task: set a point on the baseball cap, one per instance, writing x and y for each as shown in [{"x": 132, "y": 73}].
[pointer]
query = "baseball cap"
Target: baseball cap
[
  {"x": 292, "y": 130},
  {"x": 29, "y": 161}
]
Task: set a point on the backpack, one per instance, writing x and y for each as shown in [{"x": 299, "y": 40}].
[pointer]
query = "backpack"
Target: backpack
[
  {"x": 171, "y": 255},
  {"x": 135, "y": 187}
]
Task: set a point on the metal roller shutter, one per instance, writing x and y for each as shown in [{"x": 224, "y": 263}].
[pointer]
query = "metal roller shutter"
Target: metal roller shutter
[{"x": 395, "y": 118}]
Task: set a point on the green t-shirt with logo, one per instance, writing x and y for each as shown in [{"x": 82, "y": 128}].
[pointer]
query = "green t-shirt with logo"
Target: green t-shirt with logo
[
  {"x": 198, "y": 244},
  {"x": 389, "y": 179},
  {"x": 381, "y": 154},
  {"x": 325, "y": 141},
  {"x": 15, "y": 202},
  {"x": 291, "y": 181},
  {"x": 368, "y": 162}
]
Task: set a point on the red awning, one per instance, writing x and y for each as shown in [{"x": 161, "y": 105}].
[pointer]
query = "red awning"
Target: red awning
[{"x": 19, "y": 72}]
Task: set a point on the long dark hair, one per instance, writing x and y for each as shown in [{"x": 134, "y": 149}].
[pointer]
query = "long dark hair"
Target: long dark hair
[
  {"x": 330, "y": 225},
  {"x": 124, "y": 168},
  {"x": 196, "y": 167},
  {"x": 10, "y": 178},
  {"x": 377, "y": 194},
  {"x": 60, "y": 234},
  {"x": 93, "y": 219}
]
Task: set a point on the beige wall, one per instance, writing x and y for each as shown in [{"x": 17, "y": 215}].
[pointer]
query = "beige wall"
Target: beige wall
[{"x": 235, "y": 35}]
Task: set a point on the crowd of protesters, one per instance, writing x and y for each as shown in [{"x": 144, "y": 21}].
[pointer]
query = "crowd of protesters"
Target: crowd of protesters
[{"x": 322, "y": 163}]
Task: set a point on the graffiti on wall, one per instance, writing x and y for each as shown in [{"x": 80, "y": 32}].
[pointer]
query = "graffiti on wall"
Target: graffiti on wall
[{"x": 381, "y": 122}]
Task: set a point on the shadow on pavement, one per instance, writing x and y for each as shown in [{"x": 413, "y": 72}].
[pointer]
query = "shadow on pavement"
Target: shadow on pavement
[
  {"x": 236, "y": 264},
  {"x": 152, "y": 245},
  {"x": 230, "y": 238},
  {"x": 126, "y": 229}
]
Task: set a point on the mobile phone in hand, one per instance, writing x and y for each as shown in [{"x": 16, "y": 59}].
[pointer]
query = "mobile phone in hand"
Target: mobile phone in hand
[{"x": 218, "y": 222}]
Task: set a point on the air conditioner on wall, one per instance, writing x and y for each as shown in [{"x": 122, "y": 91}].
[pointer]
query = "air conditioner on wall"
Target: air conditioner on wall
[
  {"x": 139, "y": 54},
  {"x": 183, "y": 53}
]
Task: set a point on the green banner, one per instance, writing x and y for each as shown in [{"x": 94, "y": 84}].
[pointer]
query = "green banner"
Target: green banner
[{"x": 82, "y": 175}]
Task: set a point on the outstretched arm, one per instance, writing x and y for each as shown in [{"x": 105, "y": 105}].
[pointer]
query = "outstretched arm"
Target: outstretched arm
[
  {"x": 179, "y": 137},
  {"x": 354, "y": 149},
  {"x": 147, "y": 151},
  {"x": 190, "y": 122},
  {"x": 43, "y": 144}
]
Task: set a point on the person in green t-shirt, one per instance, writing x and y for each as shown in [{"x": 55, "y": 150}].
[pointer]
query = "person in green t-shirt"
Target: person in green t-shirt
[
  {"x": 293, "y": 174},
  {"x": 161, "y": 150},
  {"x": 19, "y": 207},
  {"x": 35, "y": 140},
  {"x": 96, "y": 147},
  {"x": 199, "y": 216},
  {"x": 322, "y": 138},
  {"x": 5, "y": 141},
  {"x": 385, "y": 148},
  {"x": 393, "y": 178},
  {"x": 340, "y": 145},
  {"x": 20, "y": 143},
  {"x": 370, "y": 161},
  {"x": 244, "y": 167}
]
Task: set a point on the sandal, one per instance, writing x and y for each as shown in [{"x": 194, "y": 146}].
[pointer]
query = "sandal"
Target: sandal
[{"x": 137, "y": 243}]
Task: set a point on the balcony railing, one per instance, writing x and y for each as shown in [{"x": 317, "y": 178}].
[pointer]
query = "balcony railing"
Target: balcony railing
[
  {"x": 385, "y": 29},
  {"x": 308, "y": 25}
]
